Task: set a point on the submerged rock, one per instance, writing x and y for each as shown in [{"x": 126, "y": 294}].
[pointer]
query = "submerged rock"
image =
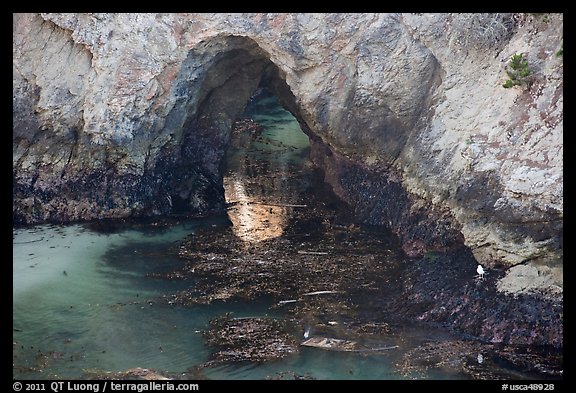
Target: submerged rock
[
  {"x": 137, "y": 373},
  {"x": 290, "y": 269},
  {"x": 289, "y": 375}
]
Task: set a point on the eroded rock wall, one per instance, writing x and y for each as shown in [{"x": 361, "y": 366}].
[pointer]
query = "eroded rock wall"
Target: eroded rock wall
[
  {"x": 497, "y": 152},
  {"x": 121, "y": 115}
]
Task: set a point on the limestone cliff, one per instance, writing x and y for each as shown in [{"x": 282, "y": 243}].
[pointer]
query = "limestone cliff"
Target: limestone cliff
[{"x": 120, "y": 115}]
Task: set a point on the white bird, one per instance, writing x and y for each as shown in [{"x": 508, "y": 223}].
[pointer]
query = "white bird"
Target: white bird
[
  {"x": 480, "y": 271},
  {"x": 307, "y": 333}
]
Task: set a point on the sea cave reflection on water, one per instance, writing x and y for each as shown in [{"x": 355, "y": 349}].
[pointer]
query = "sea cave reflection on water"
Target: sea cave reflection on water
[
  {"x": 266, "y": 159},
  {"x": 252, "y": 219}
]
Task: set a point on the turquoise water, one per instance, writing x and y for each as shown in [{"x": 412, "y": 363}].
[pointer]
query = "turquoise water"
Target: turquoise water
[{"x": 85, "y": 296}]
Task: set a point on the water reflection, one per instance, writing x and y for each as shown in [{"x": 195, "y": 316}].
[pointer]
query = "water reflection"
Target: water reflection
[
  {"x": 253, "y": 220},
  {"x": 266, "y": 163}
]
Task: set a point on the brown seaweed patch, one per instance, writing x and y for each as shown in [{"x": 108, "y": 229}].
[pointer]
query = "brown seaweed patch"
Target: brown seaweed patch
[{"x": 249, "y": 339}]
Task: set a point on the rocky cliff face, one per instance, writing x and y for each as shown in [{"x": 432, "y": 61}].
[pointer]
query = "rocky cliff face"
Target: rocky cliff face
[{"x": 120, "y": 115}]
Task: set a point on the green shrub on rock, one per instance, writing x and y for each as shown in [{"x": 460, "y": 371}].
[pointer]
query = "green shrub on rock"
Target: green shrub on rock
[{"x": 518, "y": 71}]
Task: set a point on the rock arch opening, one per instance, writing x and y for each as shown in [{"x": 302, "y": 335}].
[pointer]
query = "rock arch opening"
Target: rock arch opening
[{"x": 212, "y": 92}]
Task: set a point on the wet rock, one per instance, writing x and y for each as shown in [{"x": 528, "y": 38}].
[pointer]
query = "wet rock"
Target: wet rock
[
  {"x": 472, "y": 360},
  {"x": 140, "y": 124},
  {"x": 436, "y": 290},
  {"x": 358, "y": 278},
  {"x": 378, "y": 198},
  {"x": 249, "y": 339}
]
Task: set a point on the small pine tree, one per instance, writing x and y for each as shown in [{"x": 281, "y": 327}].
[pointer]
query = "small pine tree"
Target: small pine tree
[{"x": 518, "y": 71}]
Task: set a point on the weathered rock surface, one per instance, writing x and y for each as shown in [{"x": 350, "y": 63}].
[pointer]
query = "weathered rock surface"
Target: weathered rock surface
[
  {"x": 120, "y": 115},
  {"x": 488, "y": 308}
]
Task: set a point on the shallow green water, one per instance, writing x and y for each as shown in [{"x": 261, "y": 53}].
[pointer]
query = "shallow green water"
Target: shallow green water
[{"x": 85, "y": 295}]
